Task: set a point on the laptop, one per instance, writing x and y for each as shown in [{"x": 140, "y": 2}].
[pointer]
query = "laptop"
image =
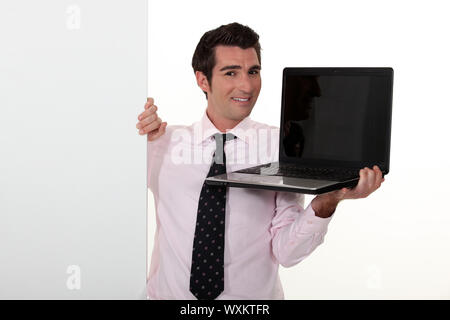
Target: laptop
[{"x": 334, "y": 122}]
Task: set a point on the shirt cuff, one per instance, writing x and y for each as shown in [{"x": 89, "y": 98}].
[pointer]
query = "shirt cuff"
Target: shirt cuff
[{"x": 310, "y": 223}]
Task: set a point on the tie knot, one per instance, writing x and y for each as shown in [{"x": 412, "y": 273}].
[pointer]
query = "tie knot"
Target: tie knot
[{"x": 220, "y": 138}]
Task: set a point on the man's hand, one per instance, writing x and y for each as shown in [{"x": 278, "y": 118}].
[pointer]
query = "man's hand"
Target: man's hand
[
  {"x": 149, "y": 122},
  {"x": 325, "y": 204}
]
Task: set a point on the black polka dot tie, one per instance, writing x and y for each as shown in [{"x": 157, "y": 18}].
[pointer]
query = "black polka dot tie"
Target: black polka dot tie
[{"x": 207, "y": 276}]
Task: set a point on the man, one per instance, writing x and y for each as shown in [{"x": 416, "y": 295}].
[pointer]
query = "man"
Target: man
[{"x": 217, "y": 243}]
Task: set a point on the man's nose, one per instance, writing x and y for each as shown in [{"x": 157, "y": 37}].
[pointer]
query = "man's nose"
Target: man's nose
[{"x": 245, "y": 84}]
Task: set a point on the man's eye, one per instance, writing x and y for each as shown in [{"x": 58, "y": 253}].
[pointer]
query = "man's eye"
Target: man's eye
[
  {"x": 253, "y": 72},
  {"x": 230, "y": 73}
]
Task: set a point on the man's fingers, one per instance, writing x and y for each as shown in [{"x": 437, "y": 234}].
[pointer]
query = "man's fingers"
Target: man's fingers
[
  {"x": 363, "y": 183},
  {"x": 152, "y": 126},
  {"x": 379, "y": 176},
  {"x": 155, "y": 134},
  {"x": 148, "y": 112},
  {"x": 149, "y": 128},
  {"x": 149, "y": 122},
  {"x": 162, "y": 127},
  {"x": 369, "y": 181},
  {"x": 371, "y": 178},
  {"x": 149, "y": 104},
  {"x": 146, "y": 121}
]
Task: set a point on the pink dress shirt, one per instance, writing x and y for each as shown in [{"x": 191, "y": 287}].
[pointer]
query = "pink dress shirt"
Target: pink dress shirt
[{"x": 263, "y": 228}]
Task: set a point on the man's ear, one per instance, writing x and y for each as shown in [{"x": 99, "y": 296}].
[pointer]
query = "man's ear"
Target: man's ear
[{"x": 202, "y": 81}]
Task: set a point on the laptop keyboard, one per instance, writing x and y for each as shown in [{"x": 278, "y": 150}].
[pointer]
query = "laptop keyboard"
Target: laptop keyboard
[{"x": 293, "y": 171}]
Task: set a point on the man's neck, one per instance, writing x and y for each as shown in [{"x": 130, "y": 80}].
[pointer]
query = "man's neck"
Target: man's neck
[{"x": 222, "y": 124}]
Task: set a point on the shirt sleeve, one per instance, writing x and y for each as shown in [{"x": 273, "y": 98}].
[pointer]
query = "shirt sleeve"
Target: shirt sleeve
[
  {"x": 150, "y": 159},
  {"x": 154, "y": 158},
  {"x": 296, "y": 232}
]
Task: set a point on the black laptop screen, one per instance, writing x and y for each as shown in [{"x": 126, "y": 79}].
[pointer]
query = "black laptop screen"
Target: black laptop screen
[{"x": 336, "y": 118}]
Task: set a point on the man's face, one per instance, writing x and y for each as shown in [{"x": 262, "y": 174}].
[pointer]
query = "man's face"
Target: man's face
[{"x": 235, "y": 84}]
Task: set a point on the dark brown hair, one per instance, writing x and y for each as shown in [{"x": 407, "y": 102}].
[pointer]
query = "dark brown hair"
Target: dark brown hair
[{"x": 233, "y": 34}]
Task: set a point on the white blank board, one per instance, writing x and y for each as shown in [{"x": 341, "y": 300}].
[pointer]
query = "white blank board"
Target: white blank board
[{"x": 73, "y": 78}]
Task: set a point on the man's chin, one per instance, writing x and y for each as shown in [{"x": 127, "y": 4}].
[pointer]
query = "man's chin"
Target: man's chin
[{"x": 240, "y": 115}]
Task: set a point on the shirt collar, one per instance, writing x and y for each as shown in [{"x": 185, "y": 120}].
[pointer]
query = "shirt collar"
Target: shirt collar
[{"x": 205, "y": 129}]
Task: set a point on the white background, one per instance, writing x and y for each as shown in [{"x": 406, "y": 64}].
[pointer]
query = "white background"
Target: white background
[{"x": 394, "y": 244}]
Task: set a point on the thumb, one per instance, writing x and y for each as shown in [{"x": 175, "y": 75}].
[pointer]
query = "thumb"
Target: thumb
[
  {"x": 151, "y": 136},
  {"x": 343, "y": 192}
]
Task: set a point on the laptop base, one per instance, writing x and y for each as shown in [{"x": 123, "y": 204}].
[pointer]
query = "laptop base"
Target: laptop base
[{"x": 279, "y": 183}]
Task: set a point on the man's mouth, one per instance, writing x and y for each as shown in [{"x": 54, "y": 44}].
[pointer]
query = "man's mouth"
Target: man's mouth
[{"x": 240, "y": 99}]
